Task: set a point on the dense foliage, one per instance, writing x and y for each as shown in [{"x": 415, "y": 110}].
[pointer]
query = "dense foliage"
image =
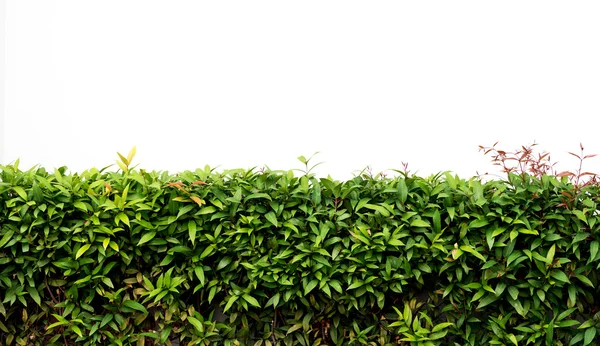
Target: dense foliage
[{"x": 249, "y": 257}]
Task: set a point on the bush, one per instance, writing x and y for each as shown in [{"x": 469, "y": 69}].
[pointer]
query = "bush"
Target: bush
[{"x": 247, "y": 257}]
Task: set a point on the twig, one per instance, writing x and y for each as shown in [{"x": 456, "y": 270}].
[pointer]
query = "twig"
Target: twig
[{"x": 274, "y": 324}]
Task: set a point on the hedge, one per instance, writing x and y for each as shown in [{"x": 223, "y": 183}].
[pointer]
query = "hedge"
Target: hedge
[{"x": 258, "y": 257}]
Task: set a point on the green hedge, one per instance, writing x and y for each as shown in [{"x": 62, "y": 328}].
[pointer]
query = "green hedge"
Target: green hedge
[{"x": 263, "y": 258}]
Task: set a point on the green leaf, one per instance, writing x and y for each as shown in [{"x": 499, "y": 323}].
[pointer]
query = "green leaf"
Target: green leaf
[
  {"x": 310, "y": 286},
  {"x": 251, "y": 300},
  {"x": 498, "y": 231},
  {"x": 513, "y": 339},
  {"x": 123, "y": 217},
  {"x": 272, "y": 218},
  {"x": 7, "y": 236},
  {"x": 77, "y": 330},
  {"x": 593, "y": 251},
  {"x": 82, "y": 250},
  {"x": 478, "y": 295},
  {"x": 33, "y": 293},
  {"x": 487, "y": 301},
  {"x": 467, "y": 248},
  {"x": 381, "y": 210},
  {"x": 441, "y": 326},
  {"x": 146, "y": 237},
  {"x": 122, "y": 166},
  {"x": 514, "y": 292},
  {"x": 131, "y": 155},
  {"x": 585, "y": 280},
  {"x": 19, "y": 190},
  {"x": 550, "y": 255},
  {"x": 589, "y": 336},
  {"x": 565, "y": 314},
  {"x": 560, "y": 276},
  {"x": 208, "y": 251},
  {"x": 132, "y": 304},
  {"x": 199, "y": 273},
  {"x": 230, "y": 302},
  {"x": 402, "y": 190},
  {"x": 336, "y": 285},
  {"x": 123, "y": 159},
  {"x": 489, "y": 264},
  {"x": 567, "y": 323},
  {"x": 294, "y": 328},
  {"x": 80, "y": 205},
  {"x": 395, "y": 242},
  {"x": 541, "y": 294},
  {"x": 224, "y": 262},
  {"x": 581, "y": 216},
  {"x": 478, "y": 223},
  {"x": 274, "y": 300},
  {"x": 186, "y": 209},
  {"x": 192, "y": 231},
  {"x": 419, "y": 223},
  {"x": 257, "y": 195},
  {"x": 196, "y": 323}
]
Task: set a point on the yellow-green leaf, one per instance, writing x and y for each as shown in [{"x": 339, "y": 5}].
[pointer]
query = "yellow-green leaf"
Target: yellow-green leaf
[
  {"x": 131, "y": 155},
  {"x": 19, "y": 190},
  {"x": 82, "y": 250}
]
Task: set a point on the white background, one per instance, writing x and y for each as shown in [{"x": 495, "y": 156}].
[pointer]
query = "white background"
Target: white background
[{"x": 248, "y": 83}]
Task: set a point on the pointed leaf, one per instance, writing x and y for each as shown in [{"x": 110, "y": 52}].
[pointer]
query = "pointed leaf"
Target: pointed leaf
[
  {"x": 132, "y": 304},
  {"x": 82, "y": 250},
  {"x": 146, "y": 237},
  {"x": 192, "y": 231}
]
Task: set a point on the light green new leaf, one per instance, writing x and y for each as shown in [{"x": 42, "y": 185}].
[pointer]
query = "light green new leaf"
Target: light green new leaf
[
  {"x": 82, "y": 250},
  {"x": 19, "y": 190},
  {"x": 131, "y": 155}
]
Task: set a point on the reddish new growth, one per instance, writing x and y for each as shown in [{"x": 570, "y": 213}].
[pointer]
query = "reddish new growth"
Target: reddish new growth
[{"x": 525, "y": 161}]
